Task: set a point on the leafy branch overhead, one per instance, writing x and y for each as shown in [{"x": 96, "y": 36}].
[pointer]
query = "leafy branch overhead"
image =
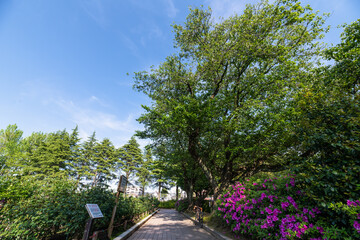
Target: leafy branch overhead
[{"x": 225, "y": 94}]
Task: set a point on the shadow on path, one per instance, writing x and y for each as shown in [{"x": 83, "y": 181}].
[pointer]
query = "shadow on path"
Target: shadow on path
[{"x": 168, "y": 224}]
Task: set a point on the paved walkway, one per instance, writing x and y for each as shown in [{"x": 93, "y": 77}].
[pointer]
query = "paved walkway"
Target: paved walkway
[{"x": 168, "y": 224}]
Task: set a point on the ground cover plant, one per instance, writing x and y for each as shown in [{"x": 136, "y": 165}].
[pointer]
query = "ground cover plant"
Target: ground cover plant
[{"x": 278, "y": 209}]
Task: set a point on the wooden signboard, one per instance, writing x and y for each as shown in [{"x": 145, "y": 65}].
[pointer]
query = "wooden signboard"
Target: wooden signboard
[
  {"x": 122, "y": 184},
  {"x": 121, "y": 188},
  {"x": 94, "y": 211}
]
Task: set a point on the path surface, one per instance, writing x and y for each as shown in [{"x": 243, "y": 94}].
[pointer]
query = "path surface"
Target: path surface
[{"x": 168, "y": 224}]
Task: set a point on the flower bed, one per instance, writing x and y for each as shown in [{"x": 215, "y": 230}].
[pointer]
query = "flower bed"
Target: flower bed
[{"x": 276, "y": 209}]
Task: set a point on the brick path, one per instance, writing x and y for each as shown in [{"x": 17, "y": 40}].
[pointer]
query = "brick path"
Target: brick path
[{"x": 168, "y": 224}]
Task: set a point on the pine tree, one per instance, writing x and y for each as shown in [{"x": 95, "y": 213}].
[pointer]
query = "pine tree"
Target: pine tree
[
  {"x": 130, "y": 155},
  {"x": 88, "y": 158},
  {"x": 75, "y": 164},
  {"x": 143, "y": 171},
  {"x": 105, "y": 162}
]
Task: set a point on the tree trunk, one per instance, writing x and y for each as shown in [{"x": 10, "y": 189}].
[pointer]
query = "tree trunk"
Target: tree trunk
[
  {"x": 94, "y": 180},
  {"x": 127, "y": 180},
  {"x": 159, "y": 191},
  {"x": 190, "y": 195},
  {"x": 177, "y": 192}
]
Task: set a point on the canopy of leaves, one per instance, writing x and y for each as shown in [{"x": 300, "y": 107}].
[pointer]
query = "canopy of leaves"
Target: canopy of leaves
[{"x": 224, "y": 95}]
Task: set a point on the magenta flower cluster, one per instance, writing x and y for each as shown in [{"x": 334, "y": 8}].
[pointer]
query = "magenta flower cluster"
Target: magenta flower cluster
[
  {"x": 355, "y": 204},
  {"x": 269, "y": 210}
]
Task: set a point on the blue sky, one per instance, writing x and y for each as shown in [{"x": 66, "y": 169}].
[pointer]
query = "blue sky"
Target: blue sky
[{"x": 64, "y": 62}]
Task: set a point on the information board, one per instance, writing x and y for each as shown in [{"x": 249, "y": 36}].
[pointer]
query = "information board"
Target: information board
[
  {"x": 94, "y": 211},
  {"x": 122, "y": 184}
]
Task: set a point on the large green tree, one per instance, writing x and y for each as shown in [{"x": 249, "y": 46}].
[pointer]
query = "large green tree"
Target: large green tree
[
  {"x": 105, "y": 161},
  {"x": 47, "y": 154},
  {"x": 131, "y": 157},
  {"x": 225, "y": 91}
]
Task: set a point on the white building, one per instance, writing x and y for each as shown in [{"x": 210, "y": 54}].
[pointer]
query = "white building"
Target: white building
[{"x": 135, "y": 191}]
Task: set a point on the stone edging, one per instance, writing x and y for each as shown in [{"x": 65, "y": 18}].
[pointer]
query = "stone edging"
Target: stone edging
[
  {"x": 212, "y": 231},
  {"x": 130, "y": 231}
]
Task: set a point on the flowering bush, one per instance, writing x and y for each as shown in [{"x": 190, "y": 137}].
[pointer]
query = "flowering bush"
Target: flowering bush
[
  {"x": 270, "y": 209},
  {"x": 182, "y": 205},
  {"x": 352, "y": 209},
  {"x": 355, "y": 206}
]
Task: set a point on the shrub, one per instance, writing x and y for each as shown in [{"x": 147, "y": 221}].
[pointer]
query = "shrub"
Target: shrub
[
  {"x": 57, "y": 209},
  {"x": 275, "y": 209},
  {"x": 182, "y": 205},
  {"x": 205, "y": 206},
  {"x": 167, "y": 204}
]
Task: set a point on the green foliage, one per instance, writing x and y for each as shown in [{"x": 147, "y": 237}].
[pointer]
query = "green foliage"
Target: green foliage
[
  {"x": 42, "y": 192},
  {"x": 167, "y": 204},
  {"x": 105, "y": 162},
  {"x": 239, "y": 98},
  {"x": 329, "y": 130},
  {"x": 15, "y": 189},
  {"x": 46, "y": 155},
  {"x": 206, "y": 207},
  {"x": 10, "y": 151},
  {"x": 182, "y": 205},
  {"x": 352, "y": 212},
  {"x": 144, "y": 170},
  {"x": 131, "y": 157},
  {"x": 58, "y": 209},
  {"x": 223, "y": 97}
]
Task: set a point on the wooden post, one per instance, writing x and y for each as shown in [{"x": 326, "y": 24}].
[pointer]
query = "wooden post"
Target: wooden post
[
  {"x": 111, "y": 225},
  {"x": 88, "y": 229},
  {"x": 95, "y": 236},
  {"x": 177, "y": 192}
]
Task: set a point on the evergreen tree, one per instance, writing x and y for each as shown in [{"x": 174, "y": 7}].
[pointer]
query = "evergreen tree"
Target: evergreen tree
[
  {"x": 143, "y": 171},
  {"x": 105, "y": 162},
  {"x": 10, "y": 149},
  {"x": 131, "y": 157},
  {"x": 75, "y": 163},
  {"x": 88, "y": 159},
  {"x": 47, "y": 155}
]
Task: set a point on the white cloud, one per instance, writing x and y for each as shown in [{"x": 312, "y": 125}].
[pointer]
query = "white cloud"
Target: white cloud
[
  {"x": 226, "y": 8},
  {"x": 95, "y": 9},
  {"x": 155, "y": 32},
  {"x": 96, "y": 119},
  {"x": 129, "y": 44},
  {"x": 171, "y": 9},
  {"x": 94, "y": 99},
  {"x": 84, "y": 135},
  {"x": 106, "y": 125}
]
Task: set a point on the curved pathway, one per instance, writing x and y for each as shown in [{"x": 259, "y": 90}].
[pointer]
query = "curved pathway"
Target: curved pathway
[{"x": 168, "y": 224}]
